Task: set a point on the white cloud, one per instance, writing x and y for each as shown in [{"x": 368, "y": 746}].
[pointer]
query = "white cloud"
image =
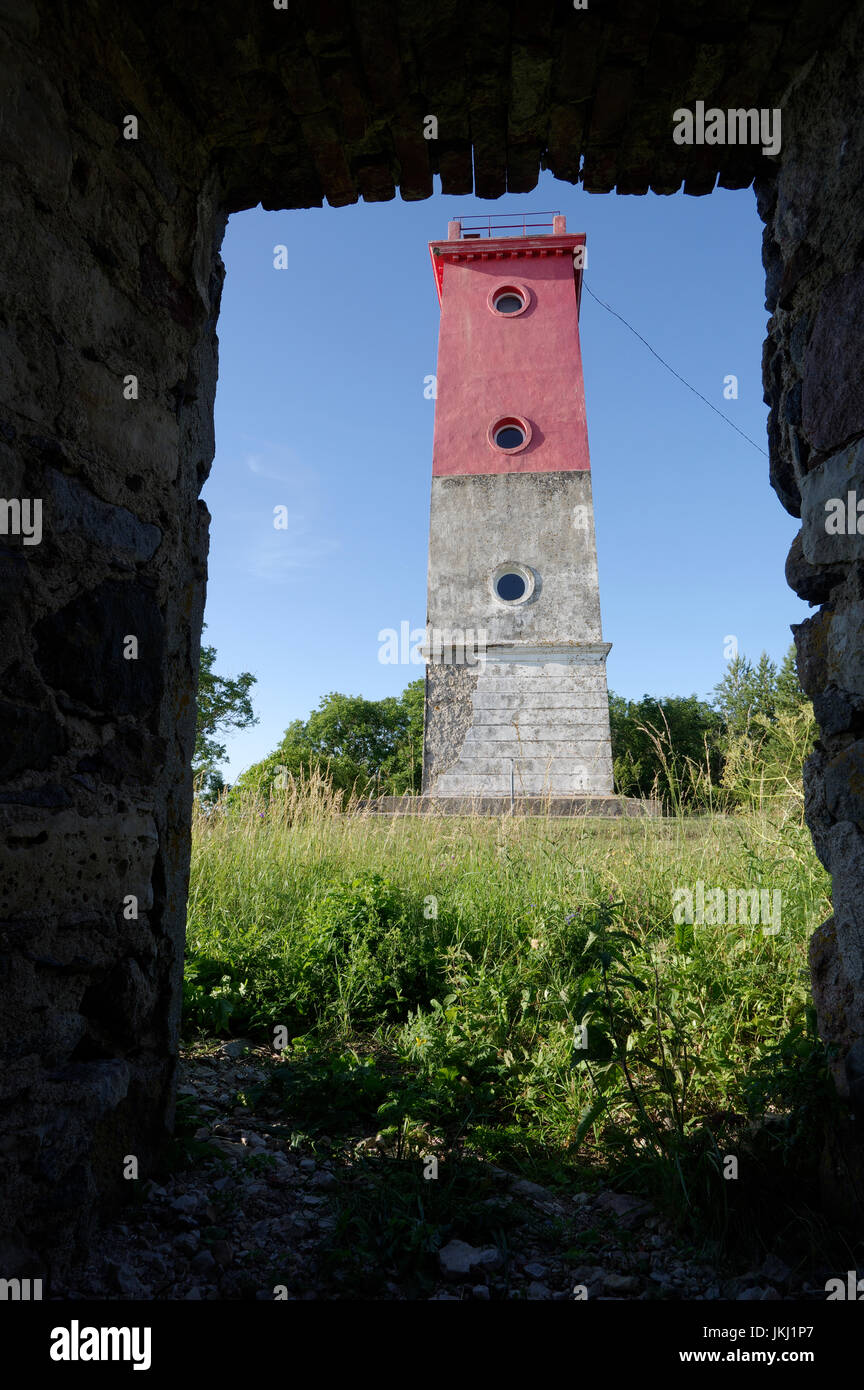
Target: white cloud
[
  {"x": 276, "y": 464},
  {"x": 279, "y": 556}
]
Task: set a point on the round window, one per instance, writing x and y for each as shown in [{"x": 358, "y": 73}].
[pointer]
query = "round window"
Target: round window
[
  {"x": 509, "y": 437},
  {"x": 509, "y": 433},
  {"x": 509, "y": 299},
  {"x": 510, "y": 586},
  {"x": 508, "y": 302},
  {"x": 513, "y": 583}
]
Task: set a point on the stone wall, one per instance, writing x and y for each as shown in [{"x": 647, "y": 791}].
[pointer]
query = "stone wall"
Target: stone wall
[
  {"x": 110, "y": 255},
  {"x": 112, "y": 243},
  {"x": 814, "y": 263}
]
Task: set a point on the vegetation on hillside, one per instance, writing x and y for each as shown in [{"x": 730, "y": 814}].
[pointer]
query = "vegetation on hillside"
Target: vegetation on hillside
[
  {"x": 522, "y": 989},
  {"x": 525, "y": 989},
  {"x": 361, "y": 746}
]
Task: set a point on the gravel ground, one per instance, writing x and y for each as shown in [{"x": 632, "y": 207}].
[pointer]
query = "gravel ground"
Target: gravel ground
[{"x": 250, "y": 1219}]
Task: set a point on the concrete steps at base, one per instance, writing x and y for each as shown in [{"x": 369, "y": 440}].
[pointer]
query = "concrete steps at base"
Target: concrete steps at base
[
  {"x": 481, "y": 765},
  {"x": 531, "y": 699},
  {"x": 542, "y": 784},
  {"x": 529, "y": 752},
  {"x": 558, "y": 806}
]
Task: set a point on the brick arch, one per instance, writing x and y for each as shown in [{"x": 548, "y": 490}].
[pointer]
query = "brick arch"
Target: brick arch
[{"x": 117, "y": 275}]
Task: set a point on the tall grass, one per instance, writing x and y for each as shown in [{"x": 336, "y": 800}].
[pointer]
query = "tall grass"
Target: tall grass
[{"x": 433, "y": 976}]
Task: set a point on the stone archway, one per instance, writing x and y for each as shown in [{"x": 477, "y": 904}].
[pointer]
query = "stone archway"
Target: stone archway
[{"x": 129, "y": 140}]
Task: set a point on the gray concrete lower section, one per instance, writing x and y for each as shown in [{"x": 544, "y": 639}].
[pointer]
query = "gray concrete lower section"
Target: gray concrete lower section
[{"x": 537, "y": 724}]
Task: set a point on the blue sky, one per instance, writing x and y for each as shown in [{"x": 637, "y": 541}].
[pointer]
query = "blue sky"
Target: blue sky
[{"x": 320, "y": 409}]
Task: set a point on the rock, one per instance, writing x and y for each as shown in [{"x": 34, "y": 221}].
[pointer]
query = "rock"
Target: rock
[
  {"x": 533, "y": 1192},
  {"x": 308, "y": 1165},
  {"x": 481, "y": 1291},
  {"x": 629, "y": 1210},
  {"x": 775, "y": 1270},
  {"x": 124, "y": 1278},
  {"x": 222, "y": 1253},
  {"x": 535, "y": 1269},
  {"x": 185, "y": 1204},
  {"x": 457, "y": 1259},
  {"x": 489, "y": 1258},
  {"x": 238, "y": 1047},
  {"x": 536, "y": 1290},
  {"x": 204, "y": 1263},
  {"x": 237, "y": 1283},
  {"x": 751, "y": 1295},
  {"x": 833, "y": 393},
  {"x": 620, "y": 1283},
  {"x": 324, "y": 1179}
]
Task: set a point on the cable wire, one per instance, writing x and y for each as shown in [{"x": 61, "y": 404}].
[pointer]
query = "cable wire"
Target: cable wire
[{"x": 673, "y": 371}]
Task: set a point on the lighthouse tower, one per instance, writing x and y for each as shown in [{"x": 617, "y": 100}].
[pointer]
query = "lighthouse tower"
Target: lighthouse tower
[{"x": 516, "y": 699}]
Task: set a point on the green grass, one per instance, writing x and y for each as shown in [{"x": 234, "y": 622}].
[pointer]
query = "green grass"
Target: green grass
[{"x": 432, "y": 977}]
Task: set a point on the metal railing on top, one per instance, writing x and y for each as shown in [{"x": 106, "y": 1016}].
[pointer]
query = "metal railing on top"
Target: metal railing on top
[{"x": 506, "y": 224}]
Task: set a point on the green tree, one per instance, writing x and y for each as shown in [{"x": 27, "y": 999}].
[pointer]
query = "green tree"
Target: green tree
[
  {"x": 746, "y": 691},
  {"x": 658, "y": 744},
  {"x": 790, "y": 696},
  {"x": 224, "y": 703},
  {"x": 371, "y": 746},
  {"x": 769, "y": 728}
]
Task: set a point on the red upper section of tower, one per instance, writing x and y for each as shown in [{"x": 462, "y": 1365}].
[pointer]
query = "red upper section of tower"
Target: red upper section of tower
[{"x": 524, "y": 367}]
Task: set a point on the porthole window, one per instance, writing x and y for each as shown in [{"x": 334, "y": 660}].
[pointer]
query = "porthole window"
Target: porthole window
[
  {"x": 510, "y": 586},
  {"x": 509, "y": 433},
  {"x": 509, "y": 437},
  {"x": 513, "y": 583},
  {"x": 509, "y": 300}
]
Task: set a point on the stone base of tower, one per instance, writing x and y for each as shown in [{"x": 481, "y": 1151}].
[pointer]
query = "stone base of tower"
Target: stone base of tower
[
  {"x": 557, "y": 806},
  {"x": 526, "y": 721}
]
